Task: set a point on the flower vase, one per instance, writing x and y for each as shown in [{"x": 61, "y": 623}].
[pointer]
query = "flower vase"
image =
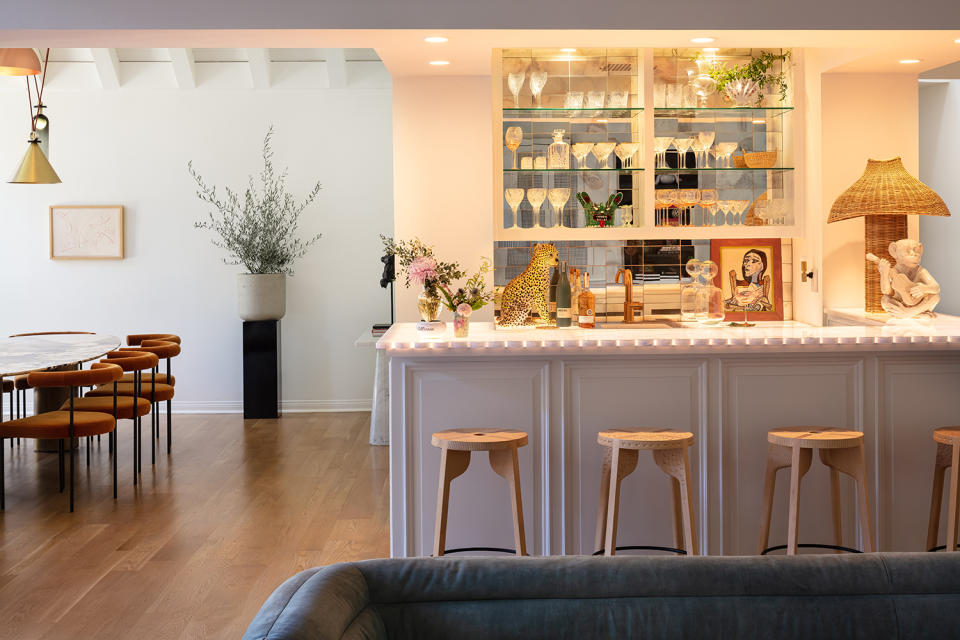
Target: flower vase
[
  {"x": 461, "y": 325},
  {"x": 429, "y": 306}
]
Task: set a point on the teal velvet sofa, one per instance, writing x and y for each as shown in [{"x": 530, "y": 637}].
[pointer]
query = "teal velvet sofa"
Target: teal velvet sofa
[{"x": 875, "y": 596}]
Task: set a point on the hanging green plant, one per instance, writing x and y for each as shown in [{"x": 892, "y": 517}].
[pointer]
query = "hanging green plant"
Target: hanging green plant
[{"x": 759, "y": 69}]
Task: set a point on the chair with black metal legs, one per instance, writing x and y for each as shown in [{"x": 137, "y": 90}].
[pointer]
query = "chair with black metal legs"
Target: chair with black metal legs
[
  {"x": 138, "y": 361},
  {"x": 166, "y": 346},
  {"x": 63, "y": 425}
]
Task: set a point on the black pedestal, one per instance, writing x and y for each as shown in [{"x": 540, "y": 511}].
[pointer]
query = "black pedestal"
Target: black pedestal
[{"x": 261, "y": 369}]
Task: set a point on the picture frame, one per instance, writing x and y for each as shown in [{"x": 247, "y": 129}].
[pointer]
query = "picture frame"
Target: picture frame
[
  {"x": 752, "y": 285},
  {"x": 86, "y": 232}
]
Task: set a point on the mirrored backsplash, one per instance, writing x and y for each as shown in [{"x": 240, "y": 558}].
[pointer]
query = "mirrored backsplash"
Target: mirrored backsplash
[{"x": 656, "y": 265}]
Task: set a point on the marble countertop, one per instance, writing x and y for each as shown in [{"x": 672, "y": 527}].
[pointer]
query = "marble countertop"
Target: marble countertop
[
  {"x": 941, "y": 334},
  {"x": 35, "y": 353}
]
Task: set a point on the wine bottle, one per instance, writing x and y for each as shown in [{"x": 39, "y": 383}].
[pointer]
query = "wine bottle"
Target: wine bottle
[
  {"x": 563, "y": 296},
  {"x": 552, "y": 298},
  {"x": 587, "y": 304}
]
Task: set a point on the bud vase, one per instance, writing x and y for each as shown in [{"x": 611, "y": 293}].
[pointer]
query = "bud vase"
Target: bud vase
[
  {"x": 461, "y": 325},
  {"x": 429, "y": 306}
]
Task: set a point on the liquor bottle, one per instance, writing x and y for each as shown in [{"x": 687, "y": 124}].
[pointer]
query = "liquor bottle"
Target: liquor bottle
[
  {"x": 552, "y": 296},
  {"x": 563, "y": 296},
  {"x": 587, "y": 305},
  {"x": 575, "y": 290},
  {"x": 558, "y": 153}
]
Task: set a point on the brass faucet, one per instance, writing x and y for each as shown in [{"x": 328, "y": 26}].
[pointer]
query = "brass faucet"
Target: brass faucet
[{"x": 629, "y": 306}]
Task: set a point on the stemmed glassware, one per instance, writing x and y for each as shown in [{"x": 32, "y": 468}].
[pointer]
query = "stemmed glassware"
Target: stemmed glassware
[
  {"x": 665, "y": 199},
  {"x": 625, "y": 151},
  {"x": 538, "y": 80},
  {"x": 725, "y": 207},
  {"x": 723, "y": 151},
  {"x": 601, "y": 151},
  {"x": 683, "y": 145},
  {"x": 705, "y": 138},
  {"x": 688, "y": 199},
  {"x": 739, "y": 206},
  {"x": 513, "y": 137},
  {"x": 558, "y": 198},
  {"x": 580, "y": 151},
  {"x": 514, "y": 197},
  {"x": 660, "y": 146},
  {"x": 536, "y": 197},
  {"x": 708, "y": 203},
  {"x": 515, "y": 83}
]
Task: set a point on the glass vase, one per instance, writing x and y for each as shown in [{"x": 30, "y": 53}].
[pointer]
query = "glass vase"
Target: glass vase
[
  {"x": 461, "y": 325},
  {"x": 429, "y": 306}
]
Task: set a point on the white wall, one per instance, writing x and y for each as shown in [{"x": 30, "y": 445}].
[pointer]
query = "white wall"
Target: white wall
[
  {"x": 939, "y": 145},
  {"x": 131, "y": 147}
]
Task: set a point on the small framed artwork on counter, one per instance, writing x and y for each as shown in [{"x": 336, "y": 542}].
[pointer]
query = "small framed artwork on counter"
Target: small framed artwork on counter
[
  {"x": 86, "y": 232},
  {"x": 751, "y": 277}
]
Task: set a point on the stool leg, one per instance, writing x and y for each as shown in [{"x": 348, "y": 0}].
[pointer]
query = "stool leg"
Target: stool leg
[
  {"x": 800, "y": 460},
  {"x": 452, "y": 464},
  {"x": 942, "y": 461},
  {"x": 677, "y": 515},
  {"x": 836, "y": 512},
  {"x": 676, "y": 464},
  {"x": 598, "y": 539},
  {"x": 777, "y": 458},
  {"x": 506, "y": 464},
  {"x": 952, "y": 513},
  {"x": 622, "y": 464},
  {"x": 852, "y": 462}
]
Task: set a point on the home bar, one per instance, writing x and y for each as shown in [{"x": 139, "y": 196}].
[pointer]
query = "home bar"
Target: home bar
[{"x": 690, "y": 247}]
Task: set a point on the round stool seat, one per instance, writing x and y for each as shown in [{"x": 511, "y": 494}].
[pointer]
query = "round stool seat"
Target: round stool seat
[
  {"x": 815, "y": 437},
  {"x": 645, "y": 438},
  {"x": 479, "y": 439},
  {"x": 947, "y": 435}
]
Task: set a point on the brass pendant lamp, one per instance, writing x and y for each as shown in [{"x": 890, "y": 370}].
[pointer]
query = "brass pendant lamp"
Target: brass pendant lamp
[
  {"x": 34, "y": 168},
  {"x": 884, "y": 196},
  {"x": 19, "y": 62}
]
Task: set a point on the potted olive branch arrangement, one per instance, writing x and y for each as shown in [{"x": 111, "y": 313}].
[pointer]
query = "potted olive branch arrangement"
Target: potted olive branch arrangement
[{"x": 745, "y": 83}]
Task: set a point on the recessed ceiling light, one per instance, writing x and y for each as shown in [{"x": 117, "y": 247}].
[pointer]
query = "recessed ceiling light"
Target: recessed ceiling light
[
  {"x": 957, "y": 40},
  {"x": 909, "y": 61},
  {"x": 710, "y": 49},
  {"x": 439, "y": 63},
  {"x": 703, "y": 40},
  {"x": 569, "y": 50},
  {"x": 435, "y": 39}
]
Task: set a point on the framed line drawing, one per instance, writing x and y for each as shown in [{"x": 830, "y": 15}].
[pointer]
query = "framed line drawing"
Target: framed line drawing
[{"x": 86, "y": 232}]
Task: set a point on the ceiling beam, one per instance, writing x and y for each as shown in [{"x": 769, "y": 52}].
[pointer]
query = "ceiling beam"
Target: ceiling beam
[
  {"x": 336, "y": 68},
  {"x": 108, "y": 67},
  {"x": 183, "y": 69},
  {"x": 259, "y": 68}
]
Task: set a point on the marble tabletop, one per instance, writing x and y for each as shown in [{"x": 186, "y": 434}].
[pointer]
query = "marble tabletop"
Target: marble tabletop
[{"x": 35, "y": 353}]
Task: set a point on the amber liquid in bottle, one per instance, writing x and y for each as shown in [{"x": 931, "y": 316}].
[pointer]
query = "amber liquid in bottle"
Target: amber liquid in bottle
[{"x": 587, "y": 305}]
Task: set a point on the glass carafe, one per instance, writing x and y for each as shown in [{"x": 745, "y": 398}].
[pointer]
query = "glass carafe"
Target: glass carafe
[
  {"x": 558, "y": 153},
  {"x": 709, "y": 296},
  {"x": 688, "y": 292}
]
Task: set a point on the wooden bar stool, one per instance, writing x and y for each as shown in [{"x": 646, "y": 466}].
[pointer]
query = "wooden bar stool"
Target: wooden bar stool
[
  {"x": 455, "y": 448},
  {"x": 622, "y": 449},
  {"x": 842, "y": 451},
  {"x": 948, "y": 455}
]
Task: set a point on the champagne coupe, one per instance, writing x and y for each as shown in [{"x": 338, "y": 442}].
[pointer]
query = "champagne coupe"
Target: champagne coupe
[
  {"x": 538, "y": 79},
  {"x": 682, "y": 145},
  {"x": 558, "y": 198},
  {"x": 706, "y": 140},
  {"x": 717, "y": 155},
  {"x": 580, "y": 151},
  {"x": 726, "y": 150},
  {"x": 688, "y": 199},
  {"x": 536, "y": 197},
  {"x": 601, "y": 151},
  {"x": 513, "y": 137},
  {"x": 725, "y": 207},
  {"x": 625, "y": 151},
  {"x": 739, "y": 206},
  {"x": 708, "y": 202},
  {"x": 514, "y": 197},
  {"x": 660, "y": 146},
  {"x": 515, "y": 83}
]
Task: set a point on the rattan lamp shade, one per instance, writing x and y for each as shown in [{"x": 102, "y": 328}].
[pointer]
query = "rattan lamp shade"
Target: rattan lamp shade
[{"x": 885, "y": 195}]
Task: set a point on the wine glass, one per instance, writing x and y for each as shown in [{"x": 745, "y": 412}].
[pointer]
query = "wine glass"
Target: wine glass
[
  {"x": 708, "y": 202},
  {"x": 665, "y": 199},
  {"x": 706, "y": 141},
  {"x": 513, "y": 137},
  {"x": 580, "y": 151},
  {"x": 660, "y": 146},
  {"x": 682, "y": 145},
  {"x": 536, "y": 197},
  {"x": 601, "y": 151},
  {"x": 625, "y": 151},
  {"x": 688, "y": 199},
  {"x": 703, "y": 84},
  {"x": 538, "y": 79},
  {"x": 717, "y": 155},
  {"x": 514, "y": 197},
  {"x": 515, "y": 83},
  {"x": 558, "y": 198}
]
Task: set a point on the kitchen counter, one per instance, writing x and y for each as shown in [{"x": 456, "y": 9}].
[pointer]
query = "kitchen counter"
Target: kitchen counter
[{"x": 728, "y": 386}]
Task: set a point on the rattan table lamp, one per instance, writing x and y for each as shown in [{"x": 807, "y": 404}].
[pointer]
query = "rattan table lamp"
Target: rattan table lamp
[{"x": 884, "y": 195}]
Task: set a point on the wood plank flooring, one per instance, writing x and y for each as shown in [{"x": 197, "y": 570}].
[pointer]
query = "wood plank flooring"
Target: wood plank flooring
[{"x": 194, "y": 550}]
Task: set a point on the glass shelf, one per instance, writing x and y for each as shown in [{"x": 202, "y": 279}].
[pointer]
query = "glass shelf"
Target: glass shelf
[
  {"x": 565, "y": 113},
  {"x": 570, "y": 170},
  {"x": 689, "y": 112},
  {"x": 732, "y": 169}
]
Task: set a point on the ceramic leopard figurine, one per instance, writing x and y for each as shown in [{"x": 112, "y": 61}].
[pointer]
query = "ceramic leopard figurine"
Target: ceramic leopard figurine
[{"x": 528, "y": 291}]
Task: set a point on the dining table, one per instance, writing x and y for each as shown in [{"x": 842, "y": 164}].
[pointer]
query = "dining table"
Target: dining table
[{"x": 20, "y": 355}]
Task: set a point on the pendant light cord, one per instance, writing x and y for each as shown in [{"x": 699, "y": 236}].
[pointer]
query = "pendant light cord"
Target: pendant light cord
[{"x": 39, "y": 89}]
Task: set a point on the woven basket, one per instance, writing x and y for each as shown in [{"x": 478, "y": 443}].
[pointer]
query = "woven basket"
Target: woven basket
[
  {"x": 760, "y": 159},
  {"x": 879, "y": 232},
  {"x": 738, "y": 162},
  {"x": 752, "y": 219}
]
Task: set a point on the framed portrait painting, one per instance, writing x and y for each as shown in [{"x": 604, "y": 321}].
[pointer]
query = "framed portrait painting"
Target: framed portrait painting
[
  {"x": 751, "y": 277},
  {"x": 86, "y": 232}
]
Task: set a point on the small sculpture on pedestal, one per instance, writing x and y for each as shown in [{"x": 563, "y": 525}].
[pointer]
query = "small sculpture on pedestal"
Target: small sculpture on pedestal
[
  {"x": 909, "y": 291},
  {"x": 528, "y": 291}
]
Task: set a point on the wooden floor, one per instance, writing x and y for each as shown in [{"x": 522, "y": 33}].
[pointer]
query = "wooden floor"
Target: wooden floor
[{"x": 195, "y": 549}]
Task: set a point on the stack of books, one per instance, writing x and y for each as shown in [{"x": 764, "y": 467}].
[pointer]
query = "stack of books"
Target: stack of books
[{"x": 379, "y": 329}]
